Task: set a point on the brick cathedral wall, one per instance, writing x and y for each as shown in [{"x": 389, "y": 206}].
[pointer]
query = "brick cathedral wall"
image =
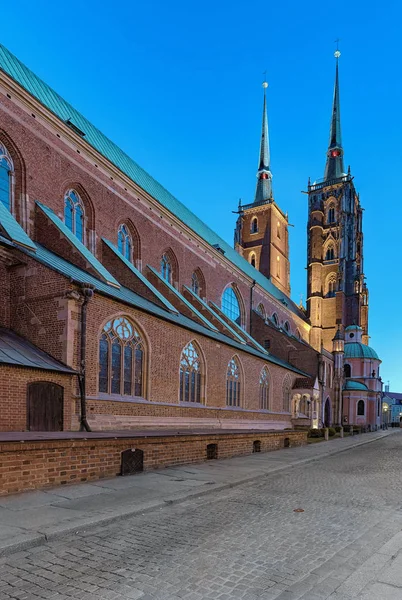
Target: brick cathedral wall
[{"x": 108, "y": 204}]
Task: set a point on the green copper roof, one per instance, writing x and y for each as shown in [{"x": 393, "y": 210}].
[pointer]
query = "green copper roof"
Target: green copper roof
[
  {"x": 62, "y": 109},
  {"x": 140, "y": 276},
  {"x": 359, "y": 350},
  {"x": 353, "y": 328},
  {"x": 83, "y": 250},
  {"x": 355, "y": 385},
  {"x": 13, "y": 230},
  {"x": 123, "y": 294}
]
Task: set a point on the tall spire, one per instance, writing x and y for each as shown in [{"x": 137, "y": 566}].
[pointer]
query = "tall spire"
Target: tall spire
[
  {"x": 334, "y": 167},
  {"x": 264, "y": 176}
]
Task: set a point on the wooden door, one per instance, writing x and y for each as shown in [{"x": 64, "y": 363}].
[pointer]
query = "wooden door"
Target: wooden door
[{"x": 45, "y": 406}]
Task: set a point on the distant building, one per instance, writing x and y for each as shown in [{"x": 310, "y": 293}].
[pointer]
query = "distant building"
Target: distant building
[{"x": 391, "y": 406}]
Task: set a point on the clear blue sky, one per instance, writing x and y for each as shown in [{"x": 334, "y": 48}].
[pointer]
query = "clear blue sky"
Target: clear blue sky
[{"x": 178, "y": 86}]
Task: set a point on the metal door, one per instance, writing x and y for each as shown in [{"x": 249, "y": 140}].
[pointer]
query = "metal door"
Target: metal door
[{"x": 45, "y": 406}]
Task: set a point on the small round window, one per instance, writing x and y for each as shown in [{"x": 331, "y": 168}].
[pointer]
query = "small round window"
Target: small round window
[{"x": 352, "y": 335}]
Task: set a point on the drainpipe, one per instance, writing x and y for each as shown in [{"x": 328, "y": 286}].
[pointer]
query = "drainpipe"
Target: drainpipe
[
  {"x": 87, "y": 291},
  {"x": 251, "y": 301}
]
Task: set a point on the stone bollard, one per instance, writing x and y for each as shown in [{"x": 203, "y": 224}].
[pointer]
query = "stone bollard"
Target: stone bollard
[
  {"x": 326, "y": 434},
  {"x": 341, "y": 432}
]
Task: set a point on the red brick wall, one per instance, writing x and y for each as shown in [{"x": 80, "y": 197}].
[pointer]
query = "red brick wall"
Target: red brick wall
[
  {"x": 14, "y": 383},
  {"x": 36, "y": 465},
  {"x": 61, "y": 167}
]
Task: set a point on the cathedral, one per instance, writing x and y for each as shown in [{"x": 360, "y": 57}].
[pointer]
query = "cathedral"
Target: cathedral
[{"x": 122, "y": 311}]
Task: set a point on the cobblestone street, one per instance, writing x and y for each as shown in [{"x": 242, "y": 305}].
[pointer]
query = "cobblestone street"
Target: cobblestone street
[{"x": 246, "y": 542}]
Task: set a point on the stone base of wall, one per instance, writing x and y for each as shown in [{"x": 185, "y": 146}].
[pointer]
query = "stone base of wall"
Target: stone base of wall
[{"x": 38, "y": 464}]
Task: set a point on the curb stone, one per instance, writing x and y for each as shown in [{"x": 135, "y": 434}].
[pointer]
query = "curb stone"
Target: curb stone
[{"x": 56, "y": 533}]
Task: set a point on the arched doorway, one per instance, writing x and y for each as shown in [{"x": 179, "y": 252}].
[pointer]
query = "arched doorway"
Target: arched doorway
[
  {"x": 327, "y": 413},
  {"x": 45, "y": 406}
]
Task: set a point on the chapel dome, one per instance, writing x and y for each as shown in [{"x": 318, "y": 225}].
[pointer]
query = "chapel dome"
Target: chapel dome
[{"x": 360, "y": 350}]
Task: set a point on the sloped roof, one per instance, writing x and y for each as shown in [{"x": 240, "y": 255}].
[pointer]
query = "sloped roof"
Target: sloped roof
[
  {"x": 19, "y": 352},
  {"x": 95, "y": 138},
  {"x": 13, "y": 230},
  {"x": 127, "y": 296}
]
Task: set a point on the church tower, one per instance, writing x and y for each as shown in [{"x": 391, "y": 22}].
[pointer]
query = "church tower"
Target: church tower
[
  {"x": 336, "y": 289},
  {"x": 261, "y": 233}
]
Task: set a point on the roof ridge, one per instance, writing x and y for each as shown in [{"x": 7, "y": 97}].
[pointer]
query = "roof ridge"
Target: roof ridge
[{"x": 62, "y": 109}]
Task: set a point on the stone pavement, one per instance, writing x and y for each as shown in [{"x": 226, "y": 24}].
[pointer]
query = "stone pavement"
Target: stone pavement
[
  {"x": 35, "y": 517},
  {"x": 236, "y": 541}
]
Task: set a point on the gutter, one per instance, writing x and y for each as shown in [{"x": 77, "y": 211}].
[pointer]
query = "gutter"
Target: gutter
[{"x": 87, "y": 291}]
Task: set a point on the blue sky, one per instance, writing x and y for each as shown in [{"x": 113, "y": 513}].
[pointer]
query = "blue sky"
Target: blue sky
[{"x": 178, "y": 86}]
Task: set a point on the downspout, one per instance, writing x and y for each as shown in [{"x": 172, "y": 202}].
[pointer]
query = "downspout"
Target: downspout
[
  {"x": 87, "y": 291},
  {"x": 251, "y": 302}
]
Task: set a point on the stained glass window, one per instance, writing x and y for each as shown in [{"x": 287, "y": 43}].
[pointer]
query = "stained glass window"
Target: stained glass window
[
  {"x": 166, "y": 268},
  {"x": 264, "y": 389},
  {"x": 233, "y": 383},
  {"x": 6, "y": 169},
  {"x": 195, "y": 284},
  {"x": 124, "y": 242},
  {"x": 74, "y": 214},
  {"x": 190, "y": 375},
  {"x": 231, "y": 305},
  {"x": 121, "y": 359}
]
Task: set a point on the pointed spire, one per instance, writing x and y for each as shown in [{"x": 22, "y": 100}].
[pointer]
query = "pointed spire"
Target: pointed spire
[
  {"x": 264, "y": 176},
  {"x": 334, "y": 167}
]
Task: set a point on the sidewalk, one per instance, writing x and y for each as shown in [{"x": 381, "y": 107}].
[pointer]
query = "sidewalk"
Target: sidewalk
[{"x": 33, "y": 518}]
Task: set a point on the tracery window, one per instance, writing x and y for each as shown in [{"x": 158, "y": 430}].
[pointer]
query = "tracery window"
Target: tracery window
[
  {"x": 331, "y": 214},
  {"x": 233, "y": 381},
  {"x": 330, "y": 254},
  {"x": 166, "y": 268},
  {"x": 124, "y": 242},
  {"x": 6, "y": 171},
  {"x": 190, "y": 375},
  {"x": 231, "y": 305},
  {"x": 264, "y": 389},
  {"x": 254, "y": 225},
  {"x": 286, "y": 394},
  {"x": 195, "y": 283},
  {"x": 121, "y": 359},
  {"x": 261, "y": 310},
  {"x": 360, "y": 408},
  {"x": 74, "y": 214}
]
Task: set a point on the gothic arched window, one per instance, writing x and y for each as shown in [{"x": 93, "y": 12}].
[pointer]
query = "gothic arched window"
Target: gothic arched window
[
  {"x": 330, "y": 285},
  {"x": 166, "y": 268},
  {"x": 195, "y": 284},
  {"x": 254, "y": 225},
  {"x": 347, "y": 370},
  {"x": 74, "y": 214},
  {"x": 190, "y": 375},
  {"x": 287, "y": 390},
  {"x": 231, "y": 305},
  {"x": 121, "y": 359},
  {"x": 261, "y": 310},
  {"x": 252, "y": 259},
  {"x": 275, "y": 320},
  {"x": 286, "y": 326},
  {"x": 360, "y": 408},
  {"x": 264, "y": 389},
  {"x": 233, "y": 382},
  {"x": 124, "y": 242},
  {"x": 6, "y": 172},
  {"x": 330, "y": 254},
  {"x": 331, "y": 214}
]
